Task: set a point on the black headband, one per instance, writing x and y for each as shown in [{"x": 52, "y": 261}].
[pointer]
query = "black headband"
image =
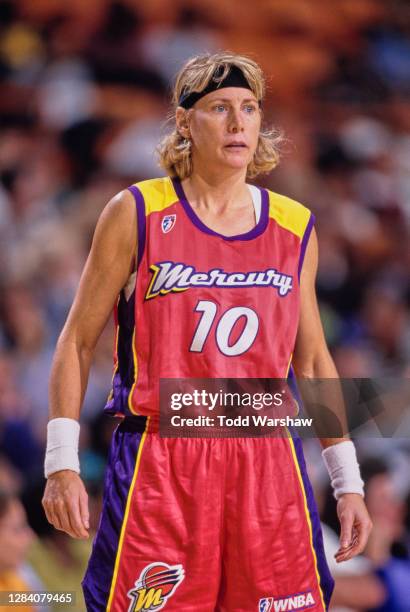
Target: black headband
[{"x": 234, "y": 78}]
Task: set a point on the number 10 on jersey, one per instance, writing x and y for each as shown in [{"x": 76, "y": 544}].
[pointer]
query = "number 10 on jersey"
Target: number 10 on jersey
[{"x": 225, "y": 324}]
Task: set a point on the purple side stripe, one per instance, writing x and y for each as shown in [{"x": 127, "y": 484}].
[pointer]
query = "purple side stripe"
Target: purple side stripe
[
  {"x": 253, "y": 233},
  {"x": 305, "y": 241},
  {"x": 139, "y": 201},
  {"x": 326, "y": 580},
  {"x": 118, "y": 478}
]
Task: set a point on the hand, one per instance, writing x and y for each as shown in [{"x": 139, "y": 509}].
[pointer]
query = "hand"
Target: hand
[
  {"x": 355, "y": 526},
  {"x": 65, "y": 502}
]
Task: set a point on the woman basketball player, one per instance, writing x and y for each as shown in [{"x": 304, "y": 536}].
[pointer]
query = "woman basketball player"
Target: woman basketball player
[{"x": 201, "y": 524}]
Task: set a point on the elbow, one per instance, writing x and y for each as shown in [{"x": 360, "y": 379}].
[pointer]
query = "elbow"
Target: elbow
[
  {"x": 305, "y": 373},
  {"x": 70, "y": 338},
  {"x": 304, "y": 368},
  {"x": 315, "y": 364}
]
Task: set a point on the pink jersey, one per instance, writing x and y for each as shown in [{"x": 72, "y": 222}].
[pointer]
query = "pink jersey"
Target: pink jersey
[
  {"x": 204, "y": 305},
  {"x": 207, "y": 523}
]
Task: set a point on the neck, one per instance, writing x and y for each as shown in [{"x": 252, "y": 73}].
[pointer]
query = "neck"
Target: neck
[{"x": 211, "y": 190}]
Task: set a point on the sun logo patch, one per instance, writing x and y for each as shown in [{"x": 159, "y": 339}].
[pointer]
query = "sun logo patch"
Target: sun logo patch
[
  {"x": 155, "y": 585},
  {"x": 168, "y": 223}
]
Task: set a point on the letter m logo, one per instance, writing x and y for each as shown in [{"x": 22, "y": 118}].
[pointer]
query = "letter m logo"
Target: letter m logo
[{"x": 147, "y": 599}]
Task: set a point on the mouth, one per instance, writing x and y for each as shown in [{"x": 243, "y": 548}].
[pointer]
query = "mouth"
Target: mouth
[{"x": 236, "y": 145}]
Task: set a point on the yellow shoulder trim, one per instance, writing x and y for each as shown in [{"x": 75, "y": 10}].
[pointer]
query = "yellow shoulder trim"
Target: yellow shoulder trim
[
  {"x": 288, "y": 213},
  {"x": 158, "y": 194}
]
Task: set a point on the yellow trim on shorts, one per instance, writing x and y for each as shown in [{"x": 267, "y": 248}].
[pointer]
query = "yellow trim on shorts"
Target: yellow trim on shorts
[
  {"x": 302, "y": 486},
  {"x": 158, "y": 194},
  {"x": 126, "y": 514},
  {"x": 288, "y": 213}
]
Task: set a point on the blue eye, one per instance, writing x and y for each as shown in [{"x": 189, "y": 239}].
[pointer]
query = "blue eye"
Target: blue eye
[
  {"x": 219, "y": 108},
  {"x": 250, "y": 108}
]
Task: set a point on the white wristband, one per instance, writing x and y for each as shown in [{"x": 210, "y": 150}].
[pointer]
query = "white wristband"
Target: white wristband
[
  {"x": 62, "y": 446},
  {"x": 341, "y": 462}
]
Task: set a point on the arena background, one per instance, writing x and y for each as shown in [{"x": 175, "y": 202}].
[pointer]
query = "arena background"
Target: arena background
[{"x": 84, "y": 94}]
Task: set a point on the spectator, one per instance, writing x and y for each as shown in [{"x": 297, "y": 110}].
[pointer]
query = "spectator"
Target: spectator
[{"x": 15, "y": 540}]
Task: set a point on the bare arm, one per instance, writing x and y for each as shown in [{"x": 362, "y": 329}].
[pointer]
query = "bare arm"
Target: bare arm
[
  {"x": 105, "y": 273},
  {"x": 312, "y": 359}
]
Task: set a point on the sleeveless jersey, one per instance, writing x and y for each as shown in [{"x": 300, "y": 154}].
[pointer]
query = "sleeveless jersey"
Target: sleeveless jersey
[{"x": 204, "y": 305}]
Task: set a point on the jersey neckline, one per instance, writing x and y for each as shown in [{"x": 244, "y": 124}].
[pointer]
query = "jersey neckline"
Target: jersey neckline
[{"x": 193, "y": 217}]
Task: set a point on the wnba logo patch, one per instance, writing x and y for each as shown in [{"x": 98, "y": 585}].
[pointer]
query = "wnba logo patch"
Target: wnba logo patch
[
  {"x": 298, "y": 601},
  {"x": 168, "y": 223},
  {"x": 156, "y": 584}
]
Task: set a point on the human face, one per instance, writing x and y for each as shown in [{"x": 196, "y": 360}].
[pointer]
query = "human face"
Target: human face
[{"x": 224, "y": 128}]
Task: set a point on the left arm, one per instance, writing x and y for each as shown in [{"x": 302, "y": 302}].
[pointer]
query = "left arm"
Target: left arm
[{"x": 312, "y": 359}]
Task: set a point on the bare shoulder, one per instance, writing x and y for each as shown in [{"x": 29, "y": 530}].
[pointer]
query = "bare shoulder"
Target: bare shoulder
[
  {"x": 120, "y": 211},
  {"x": 117, "y": 225},
  {"x": 108, "y": 266}
]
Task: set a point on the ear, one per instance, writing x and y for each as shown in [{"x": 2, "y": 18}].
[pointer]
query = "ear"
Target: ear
[{"x": 182, "y": 121}]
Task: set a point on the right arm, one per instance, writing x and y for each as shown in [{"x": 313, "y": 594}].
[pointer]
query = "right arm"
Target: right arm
[{"x": 106, "y": 271}]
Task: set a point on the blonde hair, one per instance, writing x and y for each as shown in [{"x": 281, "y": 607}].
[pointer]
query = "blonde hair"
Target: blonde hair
[{"x": 175, "y": 151}]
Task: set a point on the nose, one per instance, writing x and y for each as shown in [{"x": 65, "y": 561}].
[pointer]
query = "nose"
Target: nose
[{"x": 235, "y": 121}]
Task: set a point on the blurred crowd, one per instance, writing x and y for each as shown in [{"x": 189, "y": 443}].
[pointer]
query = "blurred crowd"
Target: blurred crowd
[{"x": 84, "y": 98}]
